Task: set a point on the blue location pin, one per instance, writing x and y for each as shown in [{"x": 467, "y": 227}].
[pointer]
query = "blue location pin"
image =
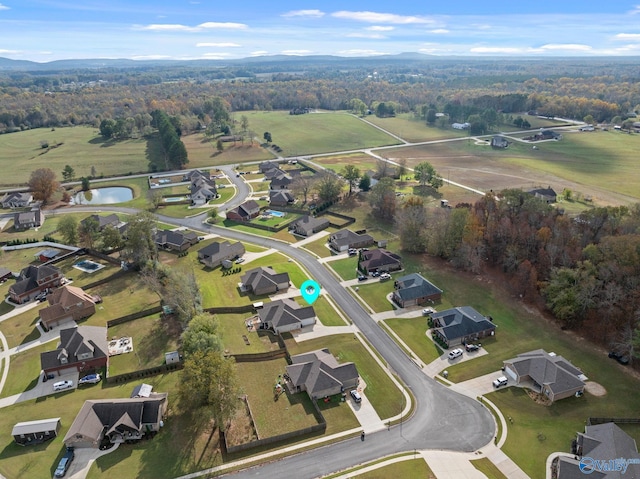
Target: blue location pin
[{"x": 310, "y": 291}]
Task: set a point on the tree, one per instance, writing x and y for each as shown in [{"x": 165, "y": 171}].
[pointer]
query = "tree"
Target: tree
[
  {"x": 478, "y": 125},
  {"x": 382, "y": 168},
  {"x": 431, "y": 116},
  {"x": 106, "y": 128},
  {"x": 402, "y": 168},
  {"x": 219, "y": 146},
  {"x": 365, "y": 183},
  {"x": 301, "y": 185},
  {"x": 267, "y": 137},
  {"x": 140, "y": 246},
  {"x": 382, "y": 198},
  {"x": 244, "y": 123},
  {"x": 88, "y": 231},
  {"x": 213, "y": 215},
  {"x": 425, "y": 174},
  {"x": 86, "y": 184},
  {"x": 155, "y": 199},
  {"x": 68, "y": 228},
  {"x": 68, "y": 173},
  {"x": 412, "y": 223},
  {"x": 329, "y": 186},
  {"x": 202, "y": 334},
  {"x": 43, "y": 184},
  {"x": 589, "y": 120},
  {"x": 358, "y": 107},
  {"x": 110, "y": 238},
  {"x": 351, "y": 173}
]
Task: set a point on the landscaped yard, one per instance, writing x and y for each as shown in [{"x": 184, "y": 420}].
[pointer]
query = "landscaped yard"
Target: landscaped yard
[
  {"x": 410, "y": 468},
  {"x": 413, "y": 333},
  {"x": 488, "y": 468},
  {"x": 374, "y": 293},
  {"x": 346, "y": 268},
  {"x": 319, "y": 247},
  {"x": 233, "y": 330},
  {"x": 326, "y": 313}
]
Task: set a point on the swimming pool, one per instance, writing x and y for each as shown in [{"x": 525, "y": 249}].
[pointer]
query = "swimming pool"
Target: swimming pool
[
  {"x": 88, "y": 266},
  {"x": 277, "y": 214},
  {"x": 174, "y": 199}
]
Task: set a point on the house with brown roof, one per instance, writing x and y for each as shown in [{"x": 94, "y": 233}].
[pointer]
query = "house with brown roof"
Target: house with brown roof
[
  {"x": 461, "y": 325},
  {"x": 29, "y": 219},
  {"x": 66, "y": 304},
  {"x": 546, "y": 373},
  {"x": 214, "y": 254},
  {"x": 102, "y": 422},
  {"x": 379, "y": 260},
  {"x": 414, "y": 289},
  {"x": 34, "y": 280},
  {"x": 308, "y": 225},
  {"x": 320, "y": 375},
  {"x": 264, "y": 280},
  {"x": 175, "y": 240},
  {"x": 81, "y": 348},
  {"x": 345, "y": 239},
  {"x": 245, "y": 212},
  {"x": 286, "y": 315}
]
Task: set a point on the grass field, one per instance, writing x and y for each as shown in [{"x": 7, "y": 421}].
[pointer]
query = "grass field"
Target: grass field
[
  {"x": 346, "y": 267},
  {"x": 82, "y": 148},
  {"x": 24, "y": 370},
  {"x": 413, "y": 333},
  {"x": 233, "y": 328},
  {"x": 21, "y": 329},
  {"x": 317, "y": 132},
  {"x": 407, "y": 127},
  {"x": 374, "y": 292},
  {"x": 203, "y": 152}
]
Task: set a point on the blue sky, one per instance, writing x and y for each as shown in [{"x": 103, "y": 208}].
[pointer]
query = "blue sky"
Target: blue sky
[{"x": 45, "y": 30}]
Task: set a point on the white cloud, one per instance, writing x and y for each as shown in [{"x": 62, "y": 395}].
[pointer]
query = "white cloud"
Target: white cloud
[
  {"x": 9, "y": 52},
  {"x": 150, "y": 57},
  {"x": 635, "y": 11},
  {"x": 375, "y": 17},
  {"x": 439, "y": 31},
  {"x": 304, "y": 13},
  {"x": 259, "y": 53},
  {"x": 573, "y": 47},
  {"x": 176, "y": 27},
  {"x": 216, "y": 56},
  {"x": 628, "y": 36},
  {"x": 4, "y": 7},
  {"x": 363, "y": 53},
  {"x": 45, "y": 53},
  {"x": 374, "y": 36},
  {"x": 296, "y": 52},
  {"x": 218, "y": 45},
  {"x": 379, "y": 28},
  {"x": 223, "y": 26},
  {"x": 495, "y": 50}
]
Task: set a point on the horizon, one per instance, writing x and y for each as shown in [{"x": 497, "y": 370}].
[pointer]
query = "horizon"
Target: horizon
[{"x": 43, "y": 31}]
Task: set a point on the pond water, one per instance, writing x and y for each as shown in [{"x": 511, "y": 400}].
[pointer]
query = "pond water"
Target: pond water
[{"x": 103, "y": 196}]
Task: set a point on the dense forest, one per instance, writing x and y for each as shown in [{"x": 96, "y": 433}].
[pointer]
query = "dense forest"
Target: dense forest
[{"x": 607, "y": 91}]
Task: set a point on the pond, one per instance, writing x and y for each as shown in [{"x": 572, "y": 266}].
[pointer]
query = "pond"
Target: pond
[{"x": 103, "y": 196}]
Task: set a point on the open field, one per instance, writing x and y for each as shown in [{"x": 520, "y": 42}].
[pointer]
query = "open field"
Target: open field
[
  {"x": 317, "y": 132},
  {"x": 409, "y": 128},
  {"x": 82, "y": 147},
  {"x": 203, "y": 152}
]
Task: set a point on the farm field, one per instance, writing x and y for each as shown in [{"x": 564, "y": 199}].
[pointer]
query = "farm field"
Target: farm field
[
  {"x": 82, "y": 147},
  {"x": 203, "y": 152},
  {"x": 409, "y": 128}
]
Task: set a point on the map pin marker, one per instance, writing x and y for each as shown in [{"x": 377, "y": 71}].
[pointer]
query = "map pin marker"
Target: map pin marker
[{"x": 310, "y": 291}]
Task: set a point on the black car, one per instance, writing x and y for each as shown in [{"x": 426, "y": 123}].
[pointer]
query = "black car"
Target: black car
[
  {"x": 362, "y": 277},
  {"x": 621, "y": 358},
  {"x": 471, "y": 347}
]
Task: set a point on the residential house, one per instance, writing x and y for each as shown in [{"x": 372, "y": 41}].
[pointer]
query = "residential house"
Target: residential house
[
  {"x": 281, "y": 198},
  {"x": 499, "y": 141},
  {"x": 5, "y": 273},
  {"x": 193, "y": 175},
  {"x": 245, "y": 212},
  {"x": 320, "y": 375},
  {"x": 600, "y": 442},
  {"x": 104, "y": 221},
  {"x": 66, "y": 304},
  {"x": 264, "y": 280},
  {"x": 547, "y": 373},
  {"x": 280, "y": 182},
  {"x": 308, "y": 225},
  {"x": 81, "y": 348},
  {"x": 29, "y": 433},
  {"x": 16, "y": 200},
  {"x": 273, "y": 173},
  {"x": 344, "y": 239},
  {"x": 545, "y": 194},
  {"x": 29, "y": 219},
  {"x": 461, "y": 325},
  {"x": 268, "y": 166},
  {"x": 113, "y": 421},
  {"x": 550, "y": 135},
  {"x": 175, "y": 240},
  {"x": 379, "y": 260},
  {"x": 461, "y": 126},
  {"x": 47, "y": 254},
  {"x": 34, "y": 280},
  {"x": 203, "y": 189},
  {"x": 214, "y": 254},
  {"x": 414, "y": 289},
  {"x": 286, "y": 315}
]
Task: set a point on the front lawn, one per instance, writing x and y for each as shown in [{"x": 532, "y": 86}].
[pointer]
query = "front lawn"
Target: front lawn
[
  {"x": 413, "y": 332},
  {"x": 488, "y": 468},
  {"x": 409, "y": 468},
  {"x": 346, "y": 268},
  {"x": 24, "y": 370},
  {"x": 385, "y": 397},
  {"x": 374, "y": 293},
  {"x": 21, "y": 329},
  {"x": 319, "y": 247},
  {"x": 327, "y": 314}
]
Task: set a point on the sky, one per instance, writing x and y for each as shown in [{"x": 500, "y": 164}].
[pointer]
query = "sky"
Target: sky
[{"x": 46, "y": 30}]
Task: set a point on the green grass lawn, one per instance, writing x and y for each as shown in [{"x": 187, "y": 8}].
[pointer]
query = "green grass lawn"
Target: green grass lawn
[
  {"x": 233, "y": 328},
  {"x": 49, "y": 227},
  {"x": 488, "y": 468},
  {"x": 21, "y": 329},
  {"x": 414, "y": 130},
  {"x": 413, "y": 333},
  {"x": 381, "y": 392},
  {"x": 317, "y": 133},
  {"x": 152, "y": 337},
  {"x": 326, "y": 313},
  {"x": 374, "y": 293},
  {"x": 24, "y": 370},
  {"x": 82, "y": 147},
  {"x": 319, "y": 247},
  {"x": 409, "y": 468},
  {"x": 346, "y": 268},
  {"x": 82, "y": 278}
]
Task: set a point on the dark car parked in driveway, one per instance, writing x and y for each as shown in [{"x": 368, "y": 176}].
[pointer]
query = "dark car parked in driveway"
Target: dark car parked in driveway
[
  {"x": 621, "y": 358},
  {"x": 65, "y": 462}
]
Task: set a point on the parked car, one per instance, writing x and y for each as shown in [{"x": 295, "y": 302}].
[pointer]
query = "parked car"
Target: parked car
[
  {"x": 472, "y": 347},
  {"x": 356, "y": 396},
  {"x": 65, "y": 462},
  {"x": 428, "y": 311},
  {"x": 385, "y": 277},
  {"x": 240, "y": 260},
  {"x": 90, "y": 379},
  {"x": 621, "y": 358},
  {"x": 501, "y": 381},
  {"x": 362, "y": 277},
  {"x": 62, "y": 385},
  {"x": 375, "y": 274},
  {"x": 46, "y": 377},
  {"x": 352, "y": 251},
  {"x": 456, "y": 353}
]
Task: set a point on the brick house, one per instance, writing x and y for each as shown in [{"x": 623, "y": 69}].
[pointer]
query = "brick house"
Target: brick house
[
  {"x": 33, "y": 280},
  {"x": 66, "y": 304},
  {"x": 82, "y": 349}
]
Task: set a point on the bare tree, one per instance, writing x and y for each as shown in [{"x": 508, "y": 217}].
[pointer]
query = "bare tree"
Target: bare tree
[
  {"x": 302, "y": 185},
  {"x": 43, "y": 184}
]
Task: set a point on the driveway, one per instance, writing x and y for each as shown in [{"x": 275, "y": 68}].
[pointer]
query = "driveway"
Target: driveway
[
  {"x": 84, "y": 459},
  {"x": 41, "y": 389},
  {"x": 481, "y": 385}
]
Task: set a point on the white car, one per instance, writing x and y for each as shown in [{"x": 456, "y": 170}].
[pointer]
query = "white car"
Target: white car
[
  {"x": 240, "y": 260},
  {"x": 501, "y": 381},
  {"x": 385, "y": 276},
  {"x": 62, "y": 385},
  {"x": 428, "y": 311},
  {"x": 90, "y": 379},
  {"x": 356, "y": 395},
  {"x": 456, "y": 353}
]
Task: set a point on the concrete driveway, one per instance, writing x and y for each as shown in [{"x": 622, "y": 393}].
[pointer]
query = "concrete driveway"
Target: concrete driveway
[
  {"x": 84, "y": 459},
  {"x": 41, "y": 389},
  {"x": 481, "y": 385}
]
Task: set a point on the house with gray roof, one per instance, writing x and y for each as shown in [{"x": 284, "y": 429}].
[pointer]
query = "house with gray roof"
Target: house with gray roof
[
  {"x": 499, "y": 141},
  {"x": 286, "y": 315},
  {"x": 264, "y": 280},
  {"x": 461, "y": 325},
  {"x": 175, "y": 240},
  {"x": 320, "y": 375},
  {"x": 104, "y": 221},
  {"x": 379, "y": 260},
  {"x": 281, "y": 198},
  {"x": 273, "y": 173},
  {"x": 545, "y": 194},
  {"x": 29, "y": 219},
  {"x": 245, "y": 212},
  {"x": 308, "y": 225},
  {"x": 414, "y": 289},
  {"x": 214, "y": 254},
  {"x": 33, "y": 280},
  {"x": 344, "y": 239},
  {"x": 267, "y": 166},
  {"x": 194, "y": 175},
  {"x": 29, "y": 433},
  {"x": 16, "y": 199},
  {"x": 547, "y": 373},
  {"x": 280, "y": 182},
  {"x": 115, "y": 421},
  {"x": 82, "y": 348},
  {"x": 600, "y": 442}
]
